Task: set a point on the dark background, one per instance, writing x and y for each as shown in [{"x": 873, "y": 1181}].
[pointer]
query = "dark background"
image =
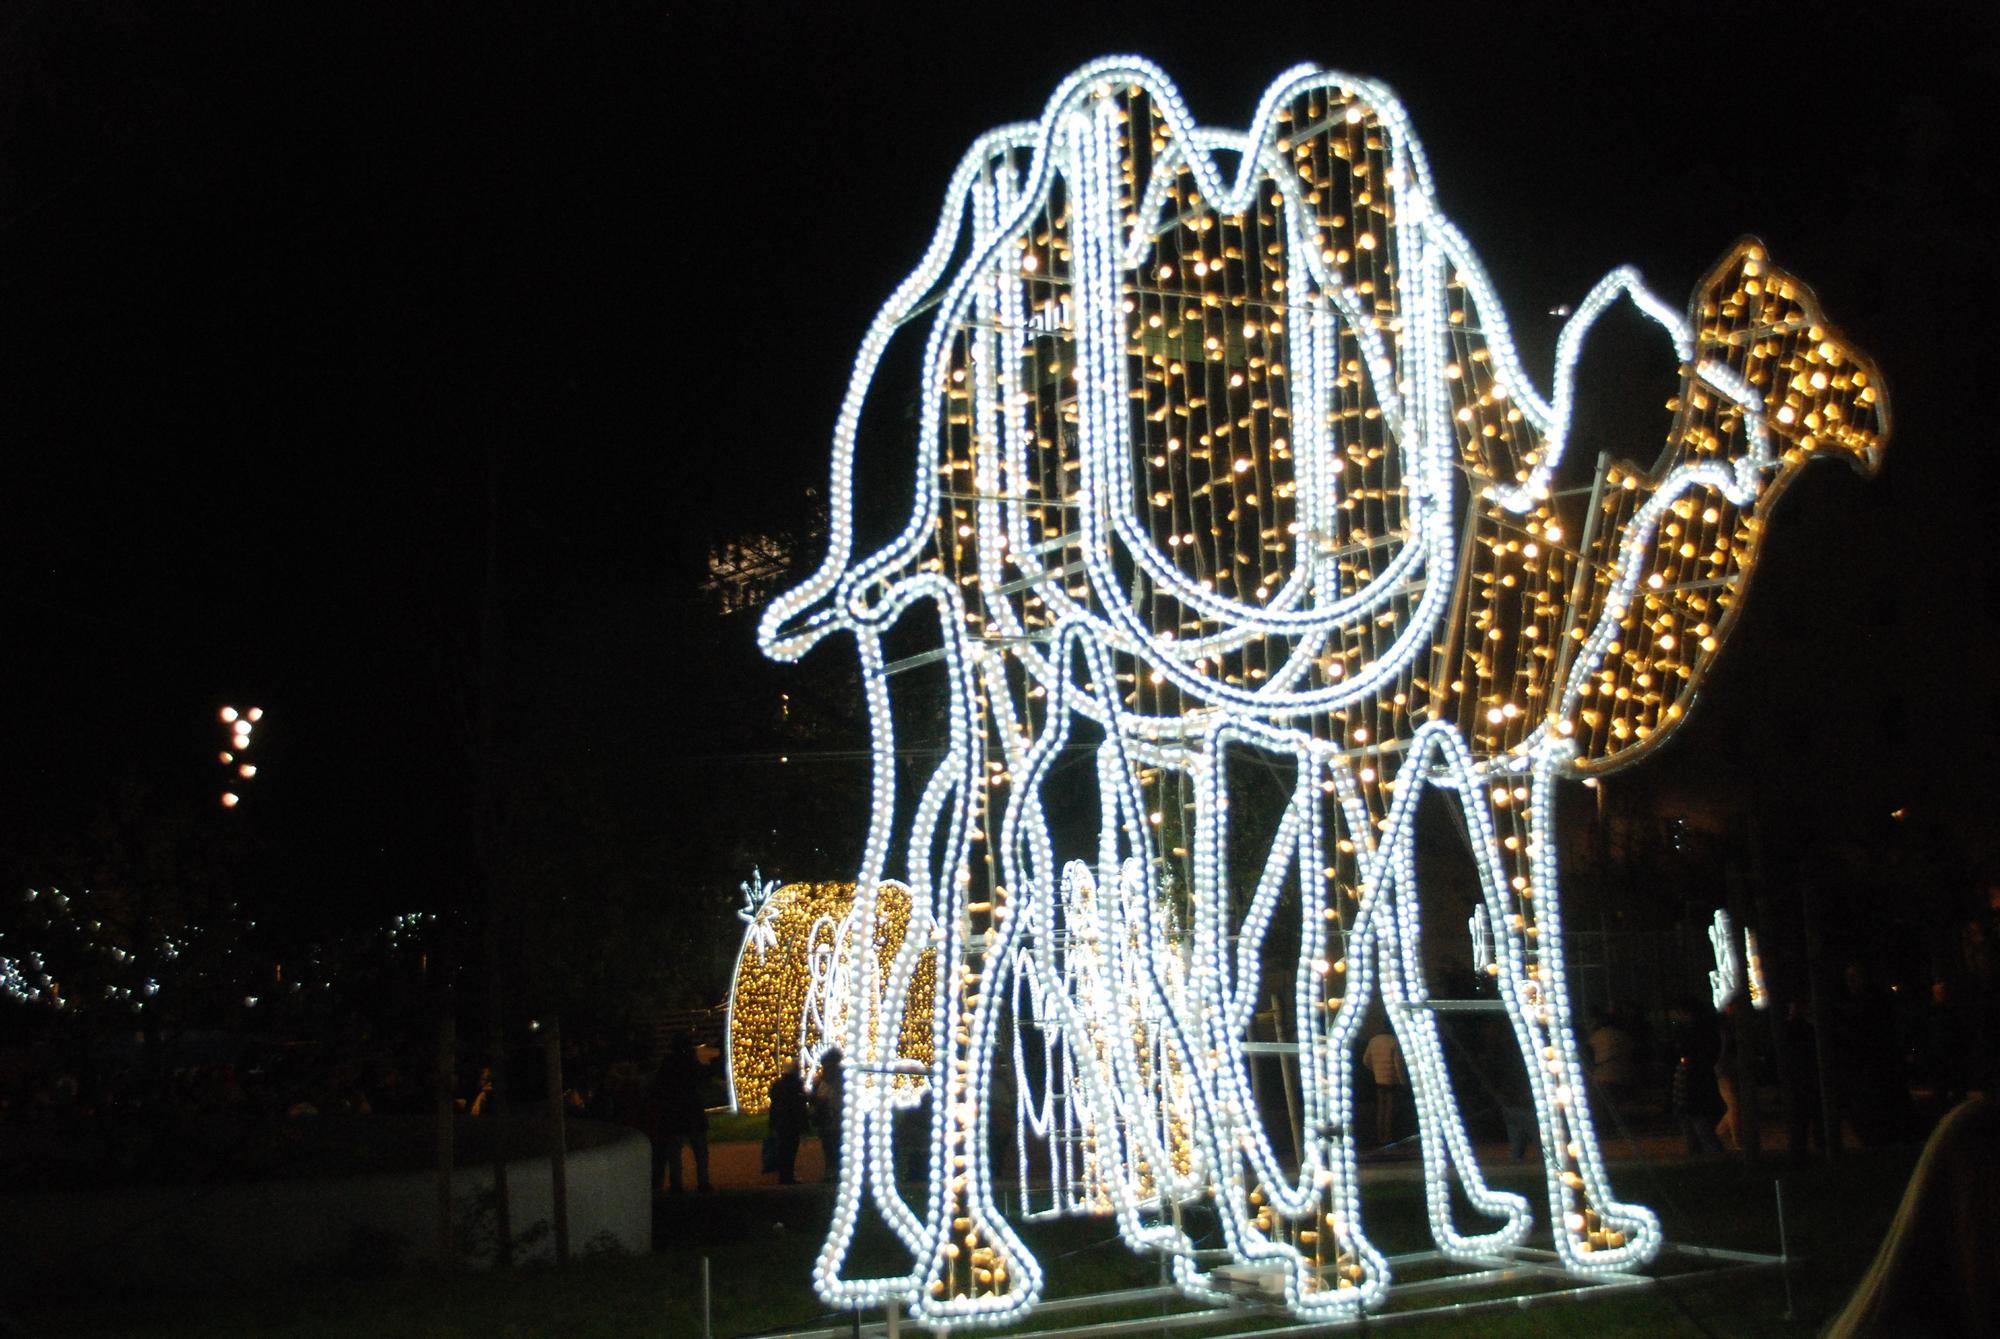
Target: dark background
[{"x": 396, "y": 368}]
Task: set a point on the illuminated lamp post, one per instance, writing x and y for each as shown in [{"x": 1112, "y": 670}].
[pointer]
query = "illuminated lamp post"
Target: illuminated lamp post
[{"x": 241, "y": 726}]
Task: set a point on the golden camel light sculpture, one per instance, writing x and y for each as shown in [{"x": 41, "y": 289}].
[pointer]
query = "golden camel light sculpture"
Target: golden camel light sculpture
[
  {"x": 1232, "y": 472},
  {"x": 789, "y": 992}
]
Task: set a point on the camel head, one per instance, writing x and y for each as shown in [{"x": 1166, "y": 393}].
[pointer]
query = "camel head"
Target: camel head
[
  {"x": 1671, "y": 549},
  {"x": 1820, "y": 396}
]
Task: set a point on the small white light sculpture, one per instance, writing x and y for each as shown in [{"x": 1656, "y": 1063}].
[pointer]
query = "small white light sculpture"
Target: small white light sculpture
[
  {"x": 1227, "y": 468},
  {"x": 1482, "y": 941},
  {"x": 756, "y": 913},
  {"x": 1736, "y": 972},
  {"x": 1726, "y": 981}
]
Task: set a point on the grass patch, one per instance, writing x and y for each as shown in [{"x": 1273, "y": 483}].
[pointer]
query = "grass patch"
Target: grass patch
[{"x": 735, "y": 1127}]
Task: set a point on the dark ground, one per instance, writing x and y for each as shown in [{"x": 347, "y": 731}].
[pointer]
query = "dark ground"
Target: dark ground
[{"x": 760, "y": 1243}]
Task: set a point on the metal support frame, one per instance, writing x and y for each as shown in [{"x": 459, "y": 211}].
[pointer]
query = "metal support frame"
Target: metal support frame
[{"x": 1503, "y": 1273}]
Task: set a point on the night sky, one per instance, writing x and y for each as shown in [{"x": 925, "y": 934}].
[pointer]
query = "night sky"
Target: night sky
[{"x": 319, "y": 323}]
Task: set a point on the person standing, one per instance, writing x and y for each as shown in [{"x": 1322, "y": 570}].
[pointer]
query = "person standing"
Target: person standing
[
  {"x": 1805, "y": 1131},
  {"x": 1513, "y": 1091},
  {"x": 1729, "y": 1127},
  {"x": 788, "y": 1122},
  {"x": 829, "y": 1091},
  {"x": 1697, "y": 1100},
  {"x": 1614, "y": 1064},
  {"x": 1384, "y": 1060},
  {"x": 680, "y": 1116}
]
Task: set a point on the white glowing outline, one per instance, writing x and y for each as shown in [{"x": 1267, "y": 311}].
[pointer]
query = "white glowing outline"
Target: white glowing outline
[
  {"x": 761, "y": 934},
  {"x": 1117, "y": 978},
  {"x": 756, "y": 914}
]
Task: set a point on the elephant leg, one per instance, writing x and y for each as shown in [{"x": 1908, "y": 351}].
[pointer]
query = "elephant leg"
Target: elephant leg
[
  {"x": 979, "y": 1268},
  {"x": 1446, "y": 1146},
  {"x": 1336, "y": 1271}
]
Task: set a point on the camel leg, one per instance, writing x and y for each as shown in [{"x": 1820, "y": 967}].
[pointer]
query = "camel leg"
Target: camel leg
[
  {"x": 1344, "y": 1271},
  {"x": 1592, "y": 1229},
  {"x": 1308, "y": 1225}
]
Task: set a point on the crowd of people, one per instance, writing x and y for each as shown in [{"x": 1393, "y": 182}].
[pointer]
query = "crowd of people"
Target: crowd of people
[
  {"x": 1893, "y": 1065},
  {"x": 216, "y": 1075},
  {"x": 1890, "y": 1065},
  {"x": 674, "y": 1109},
  {"x": 1892, "y": 1061},
  {"x": 276, "y": 1082},
  {"x": 245, "y": 1084}
]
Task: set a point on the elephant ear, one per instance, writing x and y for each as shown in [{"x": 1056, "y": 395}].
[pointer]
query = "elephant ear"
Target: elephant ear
[{"x": 1689, "y": 566}]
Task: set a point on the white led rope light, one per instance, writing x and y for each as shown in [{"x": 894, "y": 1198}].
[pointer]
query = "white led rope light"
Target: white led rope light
[
  {"x": 1725, "y": 982},
  {"x": 1188, "y": 466}
]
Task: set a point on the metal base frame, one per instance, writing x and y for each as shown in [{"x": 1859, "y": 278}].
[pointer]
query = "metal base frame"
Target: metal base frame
[{"x": 1513, "y": 1280}]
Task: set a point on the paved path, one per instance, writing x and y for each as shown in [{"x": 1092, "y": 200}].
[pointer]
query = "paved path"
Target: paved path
[{"x": 736, "y": 1165}]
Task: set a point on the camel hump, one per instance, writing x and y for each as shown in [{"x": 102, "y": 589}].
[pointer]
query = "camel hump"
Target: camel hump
[
  {"x": 1167, "y": 391},
  {"x": 1347, "y": 150}
]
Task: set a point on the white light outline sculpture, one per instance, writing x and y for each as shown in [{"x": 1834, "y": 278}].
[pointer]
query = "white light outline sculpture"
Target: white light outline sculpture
[
  {"x": 1725, "y": 982},
  {"x": 1146, "y": 1036},
  {"x": 831, "y": 987},
  {"x": 760, "y": 933},
  {"x": 1737, "y": 972},
  {"x": 1481, "y": 930},
  {"x": 754, "y": 913}
]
